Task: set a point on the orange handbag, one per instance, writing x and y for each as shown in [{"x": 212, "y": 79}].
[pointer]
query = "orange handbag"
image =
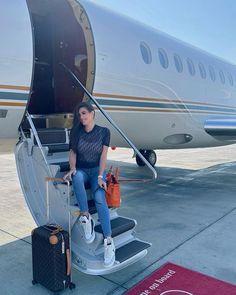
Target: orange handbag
[{"x": 113, "y": 189}]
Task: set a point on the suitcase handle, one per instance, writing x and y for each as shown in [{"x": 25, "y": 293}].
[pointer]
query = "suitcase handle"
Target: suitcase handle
[{"x": 68, "y": 261}]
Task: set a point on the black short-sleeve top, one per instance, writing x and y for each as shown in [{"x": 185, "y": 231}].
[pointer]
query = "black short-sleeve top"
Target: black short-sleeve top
[{"x": 88, "y": 146}]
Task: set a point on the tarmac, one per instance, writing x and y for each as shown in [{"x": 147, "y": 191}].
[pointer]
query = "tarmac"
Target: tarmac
[{"x": 188, "y": 214}]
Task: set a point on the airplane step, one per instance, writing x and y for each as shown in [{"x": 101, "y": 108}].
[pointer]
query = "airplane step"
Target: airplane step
[
  {"x": 58, "y": 148},
  {"x": 119, "y": 225},
  {"x": 131, "y": 249},
  {"x": 56, "y": 139},
  {"x": 64, "y": 166},
  {"x": 49, "y": 136},
  {"x": 91, "y": 206}
]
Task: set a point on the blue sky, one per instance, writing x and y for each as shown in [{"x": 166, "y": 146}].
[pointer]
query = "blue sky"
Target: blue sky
[{"x": 207, "y": 24}]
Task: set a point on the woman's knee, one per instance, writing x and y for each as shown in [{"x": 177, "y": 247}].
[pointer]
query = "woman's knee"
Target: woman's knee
[
  {"x": 99, "y": 197},
  {"x": 79, "y": 177}
]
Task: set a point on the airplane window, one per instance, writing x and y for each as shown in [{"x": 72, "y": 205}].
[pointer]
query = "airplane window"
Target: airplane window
[
  {"x": 178, "y": 63},
  {"x": 222, "y": 77},
  {"x": 231, "y": 82},
  {"x": 212, "y": 73},
  {"x": 146, "y": 53},
  {"x": 163, "y": 58},
  {"x": 202, "y": 70},
  {"x": 191, "y": 67}
]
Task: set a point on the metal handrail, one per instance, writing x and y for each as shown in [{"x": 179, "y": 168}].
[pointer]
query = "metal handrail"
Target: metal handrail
[
  {"x": 28, "y": 116},
  {"x": 111, "y": 121}
]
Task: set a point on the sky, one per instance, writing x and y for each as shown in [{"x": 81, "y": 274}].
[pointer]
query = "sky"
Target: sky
[{"x": 207, "y": 24}]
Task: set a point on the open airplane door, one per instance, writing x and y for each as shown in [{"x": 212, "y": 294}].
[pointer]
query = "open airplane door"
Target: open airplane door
[
  {"x": 16, "y": 59},
  {"x": 60, "y": 36}
]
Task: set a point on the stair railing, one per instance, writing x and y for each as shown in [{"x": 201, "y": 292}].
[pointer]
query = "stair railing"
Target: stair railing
[{"x": 35, "y": 133}]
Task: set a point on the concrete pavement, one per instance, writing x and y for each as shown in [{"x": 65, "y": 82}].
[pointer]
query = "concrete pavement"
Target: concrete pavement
[{"x": 188, "y": 214}]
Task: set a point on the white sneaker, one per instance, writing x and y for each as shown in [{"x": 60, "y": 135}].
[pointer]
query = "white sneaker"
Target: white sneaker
[
  {"x": 109, "y": 252},
  {"x": 88, "y": 227}
]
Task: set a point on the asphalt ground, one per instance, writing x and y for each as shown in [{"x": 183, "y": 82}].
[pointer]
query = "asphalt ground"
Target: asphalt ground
[{"x": 188, "y": 214}]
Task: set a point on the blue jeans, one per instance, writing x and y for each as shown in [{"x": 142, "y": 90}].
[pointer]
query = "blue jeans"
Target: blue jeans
[{"x": 90, "y": 175}]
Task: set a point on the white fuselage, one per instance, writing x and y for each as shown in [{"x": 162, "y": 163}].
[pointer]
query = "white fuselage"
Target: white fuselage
[{"x": 154, "y": 98}]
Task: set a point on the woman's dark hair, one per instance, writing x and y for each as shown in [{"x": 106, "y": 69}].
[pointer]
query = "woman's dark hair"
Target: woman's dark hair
[
  {"x": 76, "y": 123},
  {"x": 84, "y": 104}
]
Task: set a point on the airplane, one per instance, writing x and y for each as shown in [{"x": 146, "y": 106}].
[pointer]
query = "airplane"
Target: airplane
[{"x": 162, "y": 92}]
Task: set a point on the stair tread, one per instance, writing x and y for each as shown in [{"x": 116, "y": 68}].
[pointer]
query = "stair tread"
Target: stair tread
[
  {"x": 64, "y": 166},
  {"x": 49, "y": 136},
  {"x": 91, "y": 206},
  {"x": 58, "y": 148},
  {"x": 129, "y": 250},
  {"x": 119, "y": 225}
]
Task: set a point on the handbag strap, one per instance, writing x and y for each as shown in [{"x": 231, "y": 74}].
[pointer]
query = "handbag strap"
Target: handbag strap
[
  {"x": 117, "y": 174},
  {"x": 134, "y": 180}
]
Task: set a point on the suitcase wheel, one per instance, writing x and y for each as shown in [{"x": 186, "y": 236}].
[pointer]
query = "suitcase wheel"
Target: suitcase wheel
[
  {"x": 34, "y": 282},
  {"x": 71, "y": 286}
]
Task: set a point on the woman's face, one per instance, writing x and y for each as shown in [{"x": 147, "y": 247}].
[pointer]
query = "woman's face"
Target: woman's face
[{"x": 86, "y": 117}]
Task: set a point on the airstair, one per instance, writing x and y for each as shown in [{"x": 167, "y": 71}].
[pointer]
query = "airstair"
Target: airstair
[{"x": 43, "y": 152}]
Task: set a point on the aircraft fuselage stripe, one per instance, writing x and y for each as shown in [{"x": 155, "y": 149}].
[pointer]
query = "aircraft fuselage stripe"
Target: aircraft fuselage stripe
[
  {"x": 13, "y": 96},
  {"x": 13, "y": 104},
  {"x": 164, "y": 111},
  {"x": 146, "y": 99},
  {"x": 124, "y": 104},
  {"x": 157, "y": 105},
  {"x": 15, "y": 87}
]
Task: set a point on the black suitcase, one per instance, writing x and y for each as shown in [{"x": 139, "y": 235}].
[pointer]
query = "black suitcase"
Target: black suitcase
[{"x": 51, "y": 258}]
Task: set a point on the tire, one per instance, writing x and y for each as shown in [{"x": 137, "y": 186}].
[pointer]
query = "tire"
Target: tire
[
  {"x": 138, "y": 159},
  {"x": 149, "y": 155}
]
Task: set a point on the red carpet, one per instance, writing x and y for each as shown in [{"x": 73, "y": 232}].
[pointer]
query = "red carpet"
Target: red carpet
[{"x": 172, "y": 279}]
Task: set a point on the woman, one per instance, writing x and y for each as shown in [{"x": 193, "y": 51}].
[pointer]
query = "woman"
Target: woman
[{"x": 87, "y": 158}]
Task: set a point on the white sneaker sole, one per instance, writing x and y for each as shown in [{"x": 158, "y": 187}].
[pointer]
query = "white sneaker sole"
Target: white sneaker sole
[
  {"x": 110, "y": 263},
  {"x": 91, "y": 239}
]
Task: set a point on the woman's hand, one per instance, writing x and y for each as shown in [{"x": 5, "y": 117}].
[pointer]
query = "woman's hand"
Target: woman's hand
[
  {"x": 69, "y": 174},
  {"x": 102, "y": 183}
]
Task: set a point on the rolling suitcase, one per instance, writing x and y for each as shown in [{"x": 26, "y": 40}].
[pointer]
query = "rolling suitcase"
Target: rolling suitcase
[{"x": 51, "y": 253}]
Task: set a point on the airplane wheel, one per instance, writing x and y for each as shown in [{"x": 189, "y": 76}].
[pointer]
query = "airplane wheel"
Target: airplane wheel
[
  {"x": 138, "y": 159},
  {"x": 149, "y": 155}
]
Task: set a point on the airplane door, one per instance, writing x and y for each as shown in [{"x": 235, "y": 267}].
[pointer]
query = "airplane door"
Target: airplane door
[
  {"x": 68, "y": 44},
  {"x": 16, "y": 60}
]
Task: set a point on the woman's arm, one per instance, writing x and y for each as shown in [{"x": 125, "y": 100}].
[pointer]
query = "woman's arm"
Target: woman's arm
[
  {"x": 103, "y": 160},
  {"x": 72, "y": 162},
  {"x": 102, "y": 167}
]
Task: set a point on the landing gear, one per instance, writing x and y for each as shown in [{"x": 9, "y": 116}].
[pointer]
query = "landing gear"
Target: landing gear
[{"x": 149, "y": 155}]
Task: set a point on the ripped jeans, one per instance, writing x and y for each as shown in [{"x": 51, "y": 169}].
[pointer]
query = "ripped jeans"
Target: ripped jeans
[{"x": 90, "y": 175}]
